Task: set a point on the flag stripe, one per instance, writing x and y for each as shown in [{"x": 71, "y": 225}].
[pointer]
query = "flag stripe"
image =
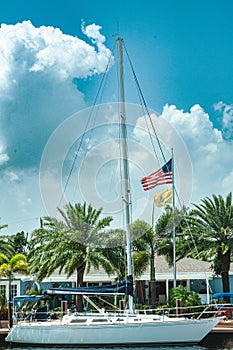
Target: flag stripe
[
  {"x": 160, "y": 177},
  {"x": 153, "y": 175},
  {"x": 154, "y": 180},
  {"x": 158, "y": 182}
]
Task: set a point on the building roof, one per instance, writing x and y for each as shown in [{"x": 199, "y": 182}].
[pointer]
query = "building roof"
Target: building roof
[{"x": 186, "y": 269}]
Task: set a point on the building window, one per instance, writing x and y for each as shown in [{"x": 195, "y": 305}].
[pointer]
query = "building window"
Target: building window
[
  {"x": 178, "y": 283},
  {"x": 13, "y": 290}
]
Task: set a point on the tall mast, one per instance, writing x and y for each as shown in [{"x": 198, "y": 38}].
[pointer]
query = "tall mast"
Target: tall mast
[
  {"x": 174, "y": 226},
  {"x": 125, "y": 162}
]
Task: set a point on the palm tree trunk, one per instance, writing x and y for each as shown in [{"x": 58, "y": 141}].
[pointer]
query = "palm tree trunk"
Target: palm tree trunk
[
  {"x": 80, "y": 274},
  {"x": 225, "y": 262},
  {"x": 153, "y": 293},
  {"x": 225, "y": 281},
  {"x": 139, "y": 292}
]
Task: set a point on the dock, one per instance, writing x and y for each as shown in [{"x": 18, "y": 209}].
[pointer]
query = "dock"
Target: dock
[
  {"x": 225, "y": 326},
  {"x": 4, "y": 327}
]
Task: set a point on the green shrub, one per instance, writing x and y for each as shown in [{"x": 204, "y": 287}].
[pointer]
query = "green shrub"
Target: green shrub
[{"x": 187, "y": 297}]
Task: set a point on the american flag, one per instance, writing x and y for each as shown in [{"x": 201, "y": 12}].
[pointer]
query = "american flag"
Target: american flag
[{"x": 160, "y": 177}]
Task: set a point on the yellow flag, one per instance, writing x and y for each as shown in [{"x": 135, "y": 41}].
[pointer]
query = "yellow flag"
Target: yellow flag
[{"x": 163, "y": 198}]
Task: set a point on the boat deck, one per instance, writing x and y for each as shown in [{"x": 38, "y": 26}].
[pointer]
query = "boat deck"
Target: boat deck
[{"x": 225, "y": 326}]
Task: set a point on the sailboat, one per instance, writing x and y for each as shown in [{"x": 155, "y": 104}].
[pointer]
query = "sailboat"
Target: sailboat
[{"x": 101, "y": 328}]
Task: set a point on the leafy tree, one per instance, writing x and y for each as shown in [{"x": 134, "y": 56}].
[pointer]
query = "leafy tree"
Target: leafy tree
[
  {"x": 19, "y": 242},
  {"x": 211, "y": 223},
  {"x": 187, "y": 297},
  {"x": 72, "y": 245},
  {"x": 6, "y": 246},
  {"x": 3, "y": 308},
  {"x": 8, "y": 267},
  {"x": 14, "y": 244}
]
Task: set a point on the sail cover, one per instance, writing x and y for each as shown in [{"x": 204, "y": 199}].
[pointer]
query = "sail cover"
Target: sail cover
[
  {"x": 120, "y": 288},
  {"x": 26, "y": 298}
]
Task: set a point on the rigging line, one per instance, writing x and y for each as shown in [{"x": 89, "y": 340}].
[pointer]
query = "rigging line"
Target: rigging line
[
  {"x": 150, "y": 135},
  {"x": 118, "y": 142},
  {"x": 194, "y": 244},
  {"x": 198, "y": 253},
  {"x": 152, "y": 141},
  {"x": 143, "y": 108},
  {"x": 100, "y": 91},
  {"x": 152, "y": 125},
  {"x": 91, "y": 129},
  {"x": 152, "y": 215},
  {"x": 118, "y": 138},
  {"x": 144, "y": 103},
  {"x": 85, "y": 129},
  {"x": 189, "y": 230}
]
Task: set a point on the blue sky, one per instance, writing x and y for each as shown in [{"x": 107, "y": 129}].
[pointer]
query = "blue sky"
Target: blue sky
[
  {"x": 185, "y": 45},
  {"x": 182, "y": 53}
]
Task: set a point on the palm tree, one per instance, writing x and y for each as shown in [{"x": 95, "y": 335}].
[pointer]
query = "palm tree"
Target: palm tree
[
  {"x": 71, "y": 245},
  {"x": 212, "y": 224},
  {"x": 144, "y": 247},
  {"x": 157, "y": 240},
  {"x": 8, "y": 267},
  {"x": 19, "y": 242},
  {"x": 6, "y": 244},
  {"x": 172, "y": 219}
]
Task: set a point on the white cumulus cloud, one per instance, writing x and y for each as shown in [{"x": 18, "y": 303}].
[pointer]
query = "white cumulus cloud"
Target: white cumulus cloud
[
  {"x": 226, "y": 112},
  {"x": 37, "y": 90},
  {"x": 40, "y": 71},
  {"x": 210, "y": 152},
  {"x": 3, "y": 158}
]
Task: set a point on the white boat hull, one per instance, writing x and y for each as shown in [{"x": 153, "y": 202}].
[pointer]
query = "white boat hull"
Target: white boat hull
[{"x": 158, "y": 332}]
